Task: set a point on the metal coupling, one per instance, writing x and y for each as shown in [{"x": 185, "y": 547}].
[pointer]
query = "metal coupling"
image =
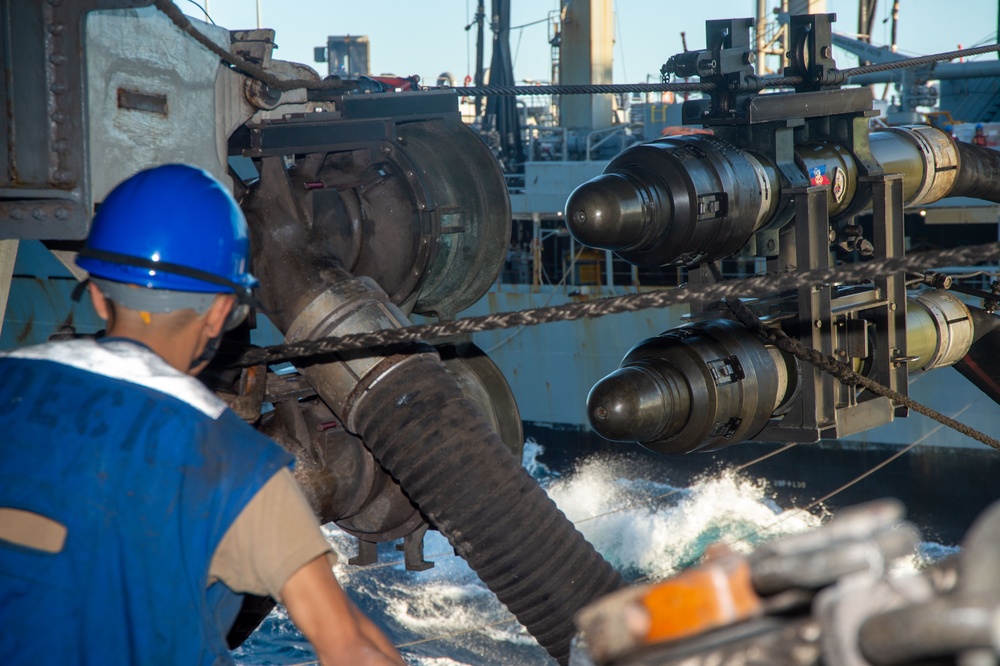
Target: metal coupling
[
  {"x": 939, "y": 330},
  {"x": 940, "y": 161},
  {"x": 356, "y": 305}
]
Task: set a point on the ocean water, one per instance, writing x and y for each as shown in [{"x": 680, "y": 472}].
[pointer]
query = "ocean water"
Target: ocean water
[{"x": 642, "y": 524}]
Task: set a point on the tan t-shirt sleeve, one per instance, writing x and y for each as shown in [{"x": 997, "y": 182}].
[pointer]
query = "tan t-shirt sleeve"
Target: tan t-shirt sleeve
[{"x": 276, "y": 534}]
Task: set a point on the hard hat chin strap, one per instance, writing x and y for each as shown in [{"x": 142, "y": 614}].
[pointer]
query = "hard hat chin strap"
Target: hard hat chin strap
[{"x": 208, "y": 353}]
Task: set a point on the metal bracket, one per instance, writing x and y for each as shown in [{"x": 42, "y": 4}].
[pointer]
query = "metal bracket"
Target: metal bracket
[
  {"x": 367, "y": 554},
  {"x": 727, "y": 62},
  {"x": 413, "y": 550},
  {"x": 811, "y": 53},
  {"x": 827, "y": 320}
]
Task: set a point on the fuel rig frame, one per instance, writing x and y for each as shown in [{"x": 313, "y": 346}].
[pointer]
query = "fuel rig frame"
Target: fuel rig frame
[{"x": 782, "y": 177}]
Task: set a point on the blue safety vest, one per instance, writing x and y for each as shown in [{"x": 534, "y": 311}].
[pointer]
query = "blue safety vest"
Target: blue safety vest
[{"x": 146, "y": 469}]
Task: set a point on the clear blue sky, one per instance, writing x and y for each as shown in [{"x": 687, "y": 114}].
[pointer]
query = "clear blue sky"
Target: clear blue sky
[{"x": 427, "y": 37}]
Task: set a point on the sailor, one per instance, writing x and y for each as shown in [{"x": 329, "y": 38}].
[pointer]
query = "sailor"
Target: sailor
[
  {"x": 979, "y": 138},
  {"x": 134, "y": 506}
]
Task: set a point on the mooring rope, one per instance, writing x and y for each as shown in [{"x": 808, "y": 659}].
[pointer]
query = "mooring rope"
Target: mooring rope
[
  {"x": 847, "y": 375},
  {"x": 857, "y": 273}
]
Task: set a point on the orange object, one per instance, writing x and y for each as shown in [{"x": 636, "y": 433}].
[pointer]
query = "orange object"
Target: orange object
[
  {"x": 715, "y": 594},
  {"x": 683, "y": 130}
]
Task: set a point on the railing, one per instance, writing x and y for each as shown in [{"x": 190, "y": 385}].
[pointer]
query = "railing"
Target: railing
[
  {"x": 548, "y": 261},
  {"x": 599, "y": 137}
]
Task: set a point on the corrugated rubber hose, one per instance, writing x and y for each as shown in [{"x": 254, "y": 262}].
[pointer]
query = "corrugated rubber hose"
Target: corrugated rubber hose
[
  {"x": 457, "y": 470},
  {"x": 978, "y": 173}
]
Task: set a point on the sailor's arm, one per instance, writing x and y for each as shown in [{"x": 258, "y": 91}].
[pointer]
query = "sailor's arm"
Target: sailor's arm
[
  {"x": 275, "y": 548},
  {"x": 339, "y": 632}
]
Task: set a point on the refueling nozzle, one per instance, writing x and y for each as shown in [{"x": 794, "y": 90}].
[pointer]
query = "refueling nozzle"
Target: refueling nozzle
[
  {"x": 710, "y": 384},
  {"x": 691, "y": 199}
]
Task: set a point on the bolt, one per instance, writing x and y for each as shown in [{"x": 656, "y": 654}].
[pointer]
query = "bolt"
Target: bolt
[
  {"x": 841, "y": 352},
  {"x": 579, "y": 217},
  {"x": 409, "y": 174},
  {"x": 601, "y": 413},
  {"x": 386, "y": 150},
  {"x": 56, "y": 28},
  {"x": 62, "y": 213},
  {"x": 39, "y": 214},
  {"x": 18, "y": 213},
  {"x": 892, "y": 306},
  {"x": 770, "y": 244},
  {"x": 818, "y": 323},
  {"x": 57, "y": 58},
  {"x": 421, "y": 205},
  {"x": 58, "y": 117},
  {"x": 57, "y": 88}
]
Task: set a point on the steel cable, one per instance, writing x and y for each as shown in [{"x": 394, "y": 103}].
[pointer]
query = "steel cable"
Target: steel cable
[
  {"x": 754, "y": 84},
  {"x": 242, "y": 65},
  {"x": 257, "y": 72}
]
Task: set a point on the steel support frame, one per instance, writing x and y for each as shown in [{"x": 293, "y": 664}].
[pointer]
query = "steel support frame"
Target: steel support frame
[
  {"x": 887, "y": 219},
  {"x": 46, "y": 191},
  {"x": 823, "y": 407}
]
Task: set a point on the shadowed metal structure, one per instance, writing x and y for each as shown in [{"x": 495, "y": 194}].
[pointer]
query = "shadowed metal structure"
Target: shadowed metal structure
[
  {"x": 363, "y": 208},
  {"x": 403, "y": 403}
]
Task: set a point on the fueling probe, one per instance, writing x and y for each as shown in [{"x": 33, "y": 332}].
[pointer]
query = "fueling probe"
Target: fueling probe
[
  {"x": 782, "y": 177},
  {"x": 709, "y": 384}
]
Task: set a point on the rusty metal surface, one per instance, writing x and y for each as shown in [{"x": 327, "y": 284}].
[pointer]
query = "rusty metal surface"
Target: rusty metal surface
[{"x": 44, "y": 187}]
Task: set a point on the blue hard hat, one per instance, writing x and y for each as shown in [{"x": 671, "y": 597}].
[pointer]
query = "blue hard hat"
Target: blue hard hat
[
  {"x": 979, "y": 126},
  {"x": 170, "y": 227}
]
